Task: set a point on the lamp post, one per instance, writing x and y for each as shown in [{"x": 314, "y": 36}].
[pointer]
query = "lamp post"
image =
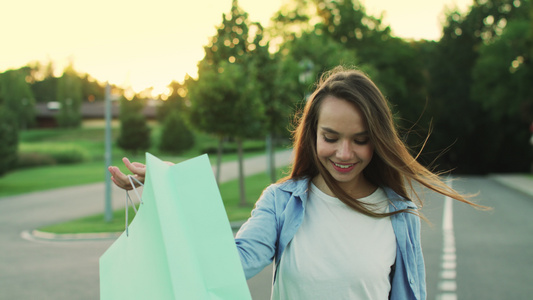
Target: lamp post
[{"x": 108, "y": 211}]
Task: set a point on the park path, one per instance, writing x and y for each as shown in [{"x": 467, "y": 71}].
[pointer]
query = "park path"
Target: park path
[{"x": 32, "y": 268}]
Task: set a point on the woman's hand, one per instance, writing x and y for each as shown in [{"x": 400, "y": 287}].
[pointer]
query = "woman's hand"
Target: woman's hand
[
  {"x": 138, "y": 169},
  {"x": 121, "y": 179}
]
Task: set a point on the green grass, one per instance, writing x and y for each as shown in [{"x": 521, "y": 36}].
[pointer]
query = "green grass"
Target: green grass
[
  {"x": 230, "y": 195},
  {"x": 50, "y": 177},
  {"x": 91, "y": 138}
]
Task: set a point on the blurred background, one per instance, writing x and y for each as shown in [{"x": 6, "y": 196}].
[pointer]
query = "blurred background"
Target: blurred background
[
  {"x": 227, "y": 77},
  {"x": 458, "y": 69}
]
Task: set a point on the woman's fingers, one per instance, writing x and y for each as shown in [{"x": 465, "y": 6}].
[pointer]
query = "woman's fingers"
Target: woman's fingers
[
  {"x": 135, "y": 167},
  {"x": 119, "y": 178}
]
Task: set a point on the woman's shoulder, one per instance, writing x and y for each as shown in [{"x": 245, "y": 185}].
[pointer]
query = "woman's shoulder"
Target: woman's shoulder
[
  {"x": 291, "y": 185},
  {"x": 397, "y": 201}
]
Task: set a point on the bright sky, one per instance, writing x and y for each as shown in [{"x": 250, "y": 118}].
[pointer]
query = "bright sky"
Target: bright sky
[{"x": 150, "y": 43}]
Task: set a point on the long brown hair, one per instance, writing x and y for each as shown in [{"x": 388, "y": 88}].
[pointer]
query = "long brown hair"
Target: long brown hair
[{"x": 392, "y": 165}]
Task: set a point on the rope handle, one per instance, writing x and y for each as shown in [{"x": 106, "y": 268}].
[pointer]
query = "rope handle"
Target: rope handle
[{"x": 128, "y": 198}]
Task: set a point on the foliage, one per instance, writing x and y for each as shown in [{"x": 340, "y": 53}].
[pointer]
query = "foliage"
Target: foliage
[
  {"x": 16, "y": 95},
  {"x": 176, "y": 136},
  {"x": 225, "y": 100},
  {"x": 176, "y": 101},
  {"x": 503, "y": 73},
  {"x": 224, "y": 103},
  {"x": 31, "y": 155},
  {"x": 42, "y": 81},
  {"x": 69, "y": 95},
  {"x": 481, "y": 140},
  {"x": 134, "y": 131},
  {"x": 9, "y": 138},
  {"x": 91, "y": 89}
]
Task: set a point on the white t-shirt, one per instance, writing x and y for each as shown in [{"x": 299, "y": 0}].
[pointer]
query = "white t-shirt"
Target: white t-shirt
[{"x": 338, "y": 253}]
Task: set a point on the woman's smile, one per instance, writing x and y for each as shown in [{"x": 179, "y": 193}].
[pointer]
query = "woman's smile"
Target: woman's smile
[{"x": 343, "y": 167}]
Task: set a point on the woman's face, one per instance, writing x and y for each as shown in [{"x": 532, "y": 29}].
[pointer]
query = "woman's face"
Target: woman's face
[{"x": 343, "y": 143}]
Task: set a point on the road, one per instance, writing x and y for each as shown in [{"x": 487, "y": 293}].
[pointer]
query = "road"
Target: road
[
  {"x": 492, "y": 258},
  {"x": 494, "y": 250}
]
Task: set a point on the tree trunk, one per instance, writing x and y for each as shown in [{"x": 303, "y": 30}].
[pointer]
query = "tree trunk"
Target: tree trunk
[
  {"x": 271, "y": 160},
  {"x": 242, "y": 191},
  {"x": 219, "y": 158}
]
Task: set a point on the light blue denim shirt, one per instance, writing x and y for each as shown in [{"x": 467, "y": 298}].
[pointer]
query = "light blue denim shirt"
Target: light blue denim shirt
[{"x": 279, "y": 212}]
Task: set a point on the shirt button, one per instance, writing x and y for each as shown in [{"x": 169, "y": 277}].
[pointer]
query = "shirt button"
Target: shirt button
[{"x": 412, "y": 281}]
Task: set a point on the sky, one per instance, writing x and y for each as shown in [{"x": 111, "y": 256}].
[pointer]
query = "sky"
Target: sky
[{"x": 142, "y": 44}]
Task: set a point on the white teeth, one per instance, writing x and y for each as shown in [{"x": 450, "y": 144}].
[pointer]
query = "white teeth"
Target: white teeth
[{"x": 343, "y": 166}]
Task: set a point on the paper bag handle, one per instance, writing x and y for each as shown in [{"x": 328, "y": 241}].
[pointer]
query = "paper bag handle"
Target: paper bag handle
[{"x": 131, "y": 178}]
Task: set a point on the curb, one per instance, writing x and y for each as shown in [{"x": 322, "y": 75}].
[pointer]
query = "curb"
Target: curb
[{"x": 49, "y": 236}]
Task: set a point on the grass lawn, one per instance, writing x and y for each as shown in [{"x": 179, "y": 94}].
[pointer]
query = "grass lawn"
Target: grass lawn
[
  {"x": 230, "y": 195},
  {"x": 90, "y": 137}
]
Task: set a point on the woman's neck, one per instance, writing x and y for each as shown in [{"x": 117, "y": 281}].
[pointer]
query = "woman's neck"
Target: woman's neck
[{"x": 359, "y": 189}]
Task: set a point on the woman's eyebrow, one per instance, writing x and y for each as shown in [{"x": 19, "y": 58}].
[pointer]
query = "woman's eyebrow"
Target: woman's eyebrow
[{"x": 329, "y": 130}]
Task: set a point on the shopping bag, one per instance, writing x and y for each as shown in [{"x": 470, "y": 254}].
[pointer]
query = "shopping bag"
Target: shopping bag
[{"x": 179, "y": 245}]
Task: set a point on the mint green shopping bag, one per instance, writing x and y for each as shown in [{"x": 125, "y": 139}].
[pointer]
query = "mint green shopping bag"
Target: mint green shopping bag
[{"x": 179, "y": 245}]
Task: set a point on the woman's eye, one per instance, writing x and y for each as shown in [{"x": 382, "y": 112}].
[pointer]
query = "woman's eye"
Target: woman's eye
[
  {"x": 329, "y": 140},
  {"x": 362, "y": 142}
]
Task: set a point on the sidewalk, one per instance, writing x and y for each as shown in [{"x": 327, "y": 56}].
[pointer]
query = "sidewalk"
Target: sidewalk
[
  {"x": 229, "y": 171},
  {"x": 519, "y": 182}
]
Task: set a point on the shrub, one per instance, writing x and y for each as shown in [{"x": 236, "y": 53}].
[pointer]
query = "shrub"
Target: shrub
[
  {"x": 34, "y": 159},
  {"x": 134, "y": 133},
  {"x": 41, "y": 154},
  {"x": 9, "y": 138},
  {"x": 176, "y": 136}
]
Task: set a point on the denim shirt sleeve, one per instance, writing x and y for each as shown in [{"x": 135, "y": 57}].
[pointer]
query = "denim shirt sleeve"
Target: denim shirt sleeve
[
  {"x": 257, "y": 238},
  {"x": 409, "y": 279}
]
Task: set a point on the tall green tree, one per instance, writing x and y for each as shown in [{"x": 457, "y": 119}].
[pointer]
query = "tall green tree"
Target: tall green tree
[
  {"x": 452, "y": 81},
  {"x": 344, "y": 33},
  {"x": 17, "y": 96},
  {"x": 224, "y": 100},
  {"x": 225, "y": 103},
  {"x": 69, "y": 94},
  {"x": 502, "y": 78}
]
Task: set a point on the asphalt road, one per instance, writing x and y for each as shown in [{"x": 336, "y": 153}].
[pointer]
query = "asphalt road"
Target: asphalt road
[{"x": 492, "y": 257}]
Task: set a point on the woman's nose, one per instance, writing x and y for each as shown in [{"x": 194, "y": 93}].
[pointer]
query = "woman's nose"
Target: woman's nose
[{"x": 345, "y": 153}]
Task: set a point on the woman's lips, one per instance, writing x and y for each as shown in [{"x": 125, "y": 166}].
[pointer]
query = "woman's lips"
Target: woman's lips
[{"x": 343, "y": 168}]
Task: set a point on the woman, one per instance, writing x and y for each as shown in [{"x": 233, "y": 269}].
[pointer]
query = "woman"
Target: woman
[{"x": 341, "y": 225}]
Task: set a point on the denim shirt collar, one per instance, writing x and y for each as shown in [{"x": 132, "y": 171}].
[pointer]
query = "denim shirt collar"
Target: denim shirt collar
[{"x": 299, "y": 189}]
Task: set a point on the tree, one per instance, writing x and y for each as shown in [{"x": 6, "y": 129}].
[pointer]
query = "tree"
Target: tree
[
  {"x": 502, "y": 78},
  {"x": 91, "y": 89},
  {"x": 176, "y": 136},
  {"x": 176, "y": 101},
  {"x": 9, "y": 138},
  {"x": 17, "y": 96},
  {"x": 42, "y": 81},
  {"x": 69, "y": 94},
  {"x": 451, "y": 89},
  {"x": 134, "y": 131},
  {"x": 224, "y": 101}
]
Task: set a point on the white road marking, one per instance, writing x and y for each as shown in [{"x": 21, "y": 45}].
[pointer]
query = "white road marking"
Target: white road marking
[{"x": 447, "y": 285}]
